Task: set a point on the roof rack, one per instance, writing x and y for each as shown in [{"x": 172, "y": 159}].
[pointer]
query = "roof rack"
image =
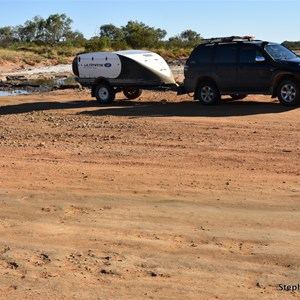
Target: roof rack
[{"x": 229, "y": 39}]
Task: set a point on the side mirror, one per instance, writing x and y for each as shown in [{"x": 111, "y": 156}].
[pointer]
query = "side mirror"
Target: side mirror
[{"x": 259, "y": 59}]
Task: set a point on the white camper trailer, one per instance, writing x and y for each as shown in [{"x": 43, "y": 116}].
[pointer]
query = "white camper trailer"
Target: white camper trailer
[{"x": 129, "y": 71}]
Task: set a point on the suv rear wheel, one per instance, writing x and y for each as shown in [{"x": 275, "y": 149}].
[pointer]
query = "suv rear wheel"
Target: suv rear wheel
[
  {"x": 207, "y": 93},
  {"x": 288, "y": 93}
]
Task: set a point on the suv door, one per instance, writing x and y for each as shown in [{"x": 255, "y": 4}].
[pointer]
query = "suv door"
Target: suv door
[
  {"x": 253, "y": 75},
  {"x": 225, "y": 67},
  {"x": 198, "y": 65}
]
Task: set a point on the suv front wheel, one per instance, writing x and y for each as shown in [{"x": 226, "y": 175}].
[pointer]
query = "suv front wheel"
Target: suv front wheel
[
  {"x": 288, "y": 93},
  {"x": 207, "y": 93}
]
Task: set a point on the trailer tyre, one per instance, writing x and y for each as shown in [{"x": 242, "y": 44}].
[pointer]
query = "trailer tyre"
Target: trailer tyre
[
  {"x": 132, "y": 92},
  {"x": 105, "y": 93}
]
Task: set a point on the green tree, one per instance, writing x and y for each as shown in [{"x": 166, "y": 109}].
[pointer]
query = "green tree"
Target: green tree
[
  {"x": 190, "y": 38},
  {"x": 186, "y": 39},
  {"x": 57, "y": 28},
  {"x": 32, "y": 30},
  {"x": 75, "y": 38},
  {"x": 54, "y": 29},
  {"x": 112, "y": 32},
  {"x": 115, "y": 35},
  {"x": 139, "y": 35},
  {"x": 174, "y": 42},
  {"x": 6, "y": 35},
  {"x": 292, "y": 45},
  {"x": 97, "y": 43}
]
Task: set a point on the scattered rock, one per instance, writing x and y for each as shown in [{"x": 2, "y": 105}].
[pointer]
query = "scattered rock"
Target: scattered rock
[
  {"x": 45, "y": 258},
  {"x": 152, "y": 274},
  {"x": 4, "y": 249},
  {"x": 12, "y": 265},
  {"x": 107, "y": 272}
]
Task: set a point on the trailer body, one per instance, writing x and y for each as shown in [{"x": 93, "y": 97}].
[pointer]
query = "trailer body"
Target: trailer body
[{"x": 128, "y": 71}]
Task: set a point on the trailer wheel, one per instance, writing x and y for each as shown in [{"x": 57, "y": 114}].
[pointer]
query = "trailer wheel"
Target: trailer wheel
[
  {"x": 132, "y": 92},
  {"x": 105, "y": 93}
]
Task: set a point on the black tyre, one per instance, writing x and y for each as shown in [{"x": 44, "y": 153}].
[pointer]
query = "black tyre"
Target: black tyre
[
  {"x": 132, "y": 92},
  {"x": 207, "y": 93},
  {"x": 105, "y": 93},
  {"x": 237, "y": 96},
  {"x": 288, "y": 93}
]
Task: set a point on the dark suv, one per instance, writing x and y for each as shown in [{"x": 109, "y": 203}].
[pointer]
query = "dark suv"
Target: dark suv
[{"x": 238, "y": 66}]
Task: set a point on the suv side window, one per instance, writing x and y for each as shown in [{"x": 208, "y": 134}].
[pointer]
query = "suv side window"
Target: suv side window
[
  {"x": 248, "y": 53},
  {"x": 204, "y": 54},
  {"x": 226, "y": 54}
]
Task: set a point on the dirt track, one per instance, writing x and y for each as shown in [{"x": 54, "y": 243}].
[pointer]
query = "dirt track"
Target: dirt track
[{"x": 158, "y": 198}]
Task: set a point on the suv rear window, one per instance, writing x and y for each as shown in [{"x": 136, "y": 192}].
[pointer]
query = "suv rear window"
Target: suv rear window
[
  {"x": 226, "y": 54},
  {"x": 204, "y": 54}
]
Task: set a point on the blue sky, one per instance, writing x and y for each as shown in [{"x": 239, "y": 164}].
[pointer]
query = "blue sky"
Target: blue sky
[{"x": 271, "y": 20}]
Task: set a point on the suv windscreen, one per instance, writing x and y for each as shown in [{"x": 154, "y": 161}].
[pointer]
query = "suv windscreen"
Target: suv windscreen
[{"x": 279, "y": 52}]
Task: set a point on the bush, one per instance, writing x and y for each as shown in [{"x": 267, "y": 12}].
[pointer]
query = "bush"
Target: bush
[{"x": 97, "y": 44}]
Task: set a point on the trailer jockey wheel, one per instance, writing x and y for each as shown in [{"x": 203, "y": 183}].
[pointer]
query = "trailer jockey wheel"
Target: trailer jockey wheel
[
  {"x": 132, "y": 92},
  {"x": 104, "y": 93}
]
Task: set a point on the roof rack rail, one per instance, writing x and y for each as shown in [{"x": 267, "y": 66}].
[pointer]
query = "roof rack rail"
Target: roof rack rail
[{"x": 229, "y": 39}]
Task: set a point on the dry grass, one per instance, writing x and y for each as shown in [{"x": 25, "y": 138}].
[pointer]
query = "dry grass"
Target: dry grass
[
  {"x": 17, "y": 56},
  {"x": 173, "y": 53},
  {"x": 34, "y": 56}
]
